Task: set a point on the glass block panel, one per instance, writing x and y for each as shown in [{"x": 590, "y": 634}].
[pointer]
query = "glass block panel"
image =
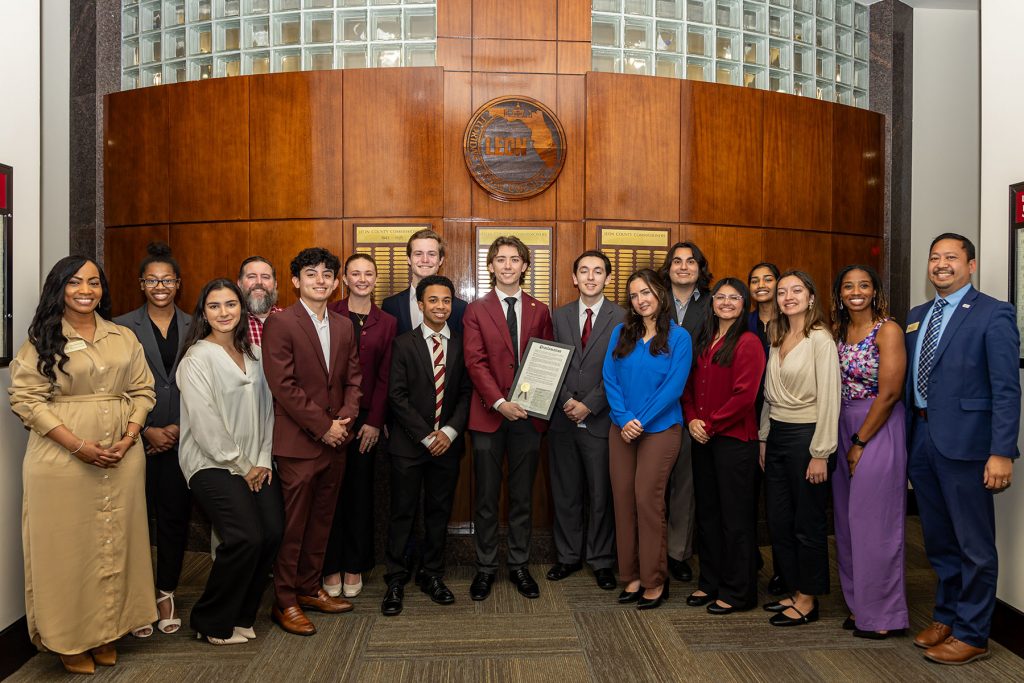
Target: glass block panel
[
  {"x": 699, "y": 10},
  {"x": 609, "y": 61},
  {"x": 779, "y": 54},
  {"x": 755, "y": 77},
  {"x": 698, "y": 69},
  {"x": 175, "y": 72},
  {"x": 755, "y": 16},
  {"x": 151, "y": 50},
  {"x": 420, "y": 24},
  {"x": 318, "y": 58},
  {"x": 781, "y": 3},
  {"x": 605, "y": 31},
  {"x": 199, "y": 10},
  {"x": 803, "y": 86},
  {"x": 861, "y": 46},
  {"x": 174, "y": 46},
  {"x": 258, "y": 7},
  {"x": 824, "y": 64},
  {"x": 636, "y": 35},
  {"x": 318, "y": 4},
  {"x": 803, "y": 27},
  {"x": 256, "y": 63},
  {"x": 353, "y": 57},
  {"x": 727, "y": 45},
  {"x": 385, "y": 2},
  {"x": 129, "y": 53},
  {"x": 420, "y": 55},
  {"x": 130, "y": 21},
  {"x": 844, "y": 70},
  {"x": 779, "y": 23},
  {"x": 825, "y": 9},
  {"x": 637, "y": 63},
  {"x": 607, "y": 6},
  {"x": 824, "y": 90},
  {"x": 779, "y": 81},
  {"x": 729, "y": 74},
  {"x": 860, "y": 75},
  {"x": 803, "y": 60},
  {"x": 227, "y": 9},
  {"x": 174, "y": 15},
  {"x": 806, "y": 6},
  {"x": 824, "y": 35},
  {"x": 669, "y": 36},
  {"x": 150, "y": 15},
  {"x": 727, "y": 13},
  {"x": 228, "y": 37},
  {"x": 130, "y": 79},
  {"x": 860, "y": 99},
  {"x": 844, "y": 12},
  {"x": 699, "y": 40},
  {"x": 286, "y": 61},
  {"x": 386, "y": 25},
  {"x": 860, "y": 17},
  {"x": 151, "y": 75},
  {"x": 200, "y": 69},
  {"x": 844, "y": 41},
  {"x": 287, "y": 30},
  {"x": 200, "y": 41},
  {"x": 844, "y": 95},
  {"x": 351, "y": 27},
  {"x": 670, "y": 9},
  {"x": 639, "y": 7},
  {"x": 318, "y": 27},
  {"x": 257, "y": 32},
  {"x": 386, "y": 55},
  {"x": 755, "y": 49},
  {"x": 285, "y": 6},
  {"x": 668, "y": 66},
  {"x": 227, "y": 65}
]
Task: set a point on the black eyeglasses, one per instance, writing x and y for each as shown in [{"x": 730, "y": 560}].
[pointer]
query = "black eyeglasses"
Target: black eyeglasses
[{"x": 151, "y": 283}]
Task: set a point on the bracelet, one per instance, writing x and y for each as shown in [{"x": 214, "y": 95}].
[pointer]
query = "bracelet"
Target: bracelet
[
  {"x": 131, "y": 435},
  {"x": 79, "y": 447}
]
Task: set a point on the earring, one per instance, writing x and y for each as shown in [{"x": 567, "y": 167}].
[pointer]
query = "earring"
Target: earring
[
  {"x": 841, "y": 307},
  {"x": 811, "y": 302}
]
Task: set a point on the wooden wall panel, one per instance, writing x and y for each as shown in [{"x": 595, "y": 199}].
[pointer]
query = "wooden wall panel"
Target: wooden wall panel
[
  {"x": 123, "y": 251},
  {"x": 632, "y": 147},
  {"x": 295, "y": 145},
  {"x": 521, "y": 19},
  {"x": 460, "y": 262},
  {"x": 573, "y": 58},
  {"x": 797, "y": 162},
  {"x": 135, "y": 157},
  {"x": 574, "y": 20},
  {"x": 571, "y": 111},
  {"x": 210, "y": 250},
  {"x": 730, "y": 251},
  {"x": 281, "y": 241},
  {"x": 803, "y": 250},
  {"x": 455, "y": 18},
  {"x": 393, "y": 142},
  {"x": 458, "y": 108},
  {"x": 721, "y": 165},
  {"x": 569, "y": 242},
  {"x": 854, "y": 249},
  {"x": 858, "y": 170},
  {"x": 515, "y": 56},
  {"x": 209, "y": 165},
  {"x": 455, "y": 54},
  {"x": 486, "y": 87}
]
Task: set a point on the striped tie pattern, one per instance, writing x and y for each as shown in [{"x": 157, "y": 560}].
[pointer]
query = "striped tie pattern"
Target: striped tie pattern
[
  {"x": 438, "y": 354},
  {"x": 931, "y": 341}
]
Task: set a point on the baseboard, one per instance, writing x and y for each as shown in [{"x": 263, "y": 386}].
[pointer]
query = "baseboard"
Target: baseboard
[
  {"x": 16, "y": 648},
  {"x": 1008, "y": 628}
]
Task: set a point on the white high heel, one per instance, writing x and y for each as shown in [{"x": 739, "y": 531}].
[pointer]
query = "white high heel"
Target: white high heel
[
  {"x": 235, "y": 639},
  {"x": 332, "y": 589},
  {"x": 351, "y": 590},
  {"x": 247, "y": 633},
  {"x": 171, "y": 624}
]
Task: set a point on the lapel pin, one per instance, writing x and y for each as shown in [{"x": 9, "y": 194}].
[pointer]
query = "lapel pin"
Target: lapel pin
[{"x": 965, "y": 305}]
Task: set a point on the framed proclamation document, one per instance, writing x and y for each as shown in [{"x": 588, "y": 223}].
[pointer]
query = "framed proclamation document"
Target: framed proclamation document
[{"x": 540, "y": 376}]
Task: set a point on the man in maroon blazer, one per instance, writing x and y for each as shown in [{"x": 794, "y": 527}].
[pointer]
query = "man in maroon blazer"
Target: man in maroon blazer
[
  {"x": 496, "y": 329},
  {"x": 310, "y": 359}
]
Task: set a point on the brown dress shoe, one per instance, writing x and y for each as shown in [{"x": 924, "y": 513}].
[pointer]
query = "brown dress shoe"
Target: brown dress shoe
[
  {"x": 955, "y": 652},
  {"x": 322, "y": 602},
  {"x": 78, "y": 664},
  {"x": 293, "y": 620},
  {"x": 104, "y": 655},
  {"x": 934, "y": 635}
]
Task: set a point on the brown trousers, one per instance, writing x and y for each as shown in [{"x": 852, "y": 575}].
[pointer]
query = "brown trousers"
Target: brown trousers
[{"x": 640, "y": 471}]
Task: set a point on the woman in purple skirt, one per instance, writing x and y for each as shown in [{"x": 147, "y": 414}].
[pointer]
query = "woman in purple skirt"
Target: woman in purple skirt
[{"x": 869, "y": 487}]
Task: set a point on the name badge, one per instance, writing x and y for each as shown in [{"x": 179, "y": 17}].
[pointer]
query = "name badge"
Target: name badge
[
  {"x": 76, "y": 345},
  {"x": 912, "y": 326}
]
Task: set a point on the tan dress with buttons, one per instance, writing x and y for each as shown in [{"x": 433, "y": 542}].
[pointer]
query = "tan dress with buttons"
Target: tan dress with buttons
[{"x": 88, "y": 571}]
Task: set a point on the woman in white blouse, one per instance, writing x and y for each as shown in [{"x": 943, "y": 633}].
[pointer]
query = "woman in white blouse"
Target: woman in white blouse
[
  {"x": 227, "y": 421},
  {"x": 799, "y": 431}
]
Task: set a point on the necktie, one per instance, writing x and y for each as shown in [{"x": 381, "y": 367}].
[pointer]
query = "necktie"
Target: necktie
[
  {"x": 513, "y": 327},
  {"x": 588, "y": 325},
  {"x": 931, "y": 340},
  {"x": 438, "y": 354}
]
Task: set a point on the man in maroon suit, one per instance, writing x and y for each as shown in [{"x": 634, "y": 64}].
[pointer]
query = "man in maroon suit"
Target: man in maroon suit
[
  {"x": 310, "y": 359},
  {"x": 496, "y": 329}
]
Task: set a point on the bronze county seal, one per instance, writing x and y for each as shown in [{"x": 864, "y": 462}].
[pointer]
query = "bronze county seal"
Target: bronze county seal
[{"x": 514, "y": 147}]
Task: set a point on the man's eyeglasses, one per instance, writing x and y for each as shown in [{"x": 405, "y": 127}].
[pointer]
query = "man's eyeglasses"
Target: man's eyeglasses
[{"x": 151, "y": 283}]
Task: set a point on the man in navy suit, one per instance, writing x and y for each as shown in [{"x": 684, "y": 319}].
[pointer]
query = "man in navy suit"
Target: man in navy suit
[
  {"x": 425, "y": 250},
  {"x": 964, "y": 386}
]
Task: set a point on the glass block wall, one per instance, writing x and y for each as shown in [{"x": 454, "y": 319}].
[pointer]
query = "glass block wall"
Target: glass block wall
[
  {"x": 169, "y": 41},
  {"x": 813, "y": 48}
]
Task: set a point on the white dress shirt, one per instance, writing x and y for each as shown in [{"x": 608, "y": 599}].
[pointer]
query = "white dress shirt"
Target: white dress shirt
[
  {"x": 595, "y": 309},
  {"x": 445, "y": 336},
  {"x": 415, "y": 314},
  {"x": 323, "y": 331}
]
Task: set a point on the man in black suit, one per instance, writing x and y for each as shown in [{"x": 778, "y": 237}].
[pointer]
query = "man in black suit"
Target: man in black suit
[
  {"x": 688, "y": 276},
  {"x": 425, "y": 251},
  {"x": 429, "y": 392}
]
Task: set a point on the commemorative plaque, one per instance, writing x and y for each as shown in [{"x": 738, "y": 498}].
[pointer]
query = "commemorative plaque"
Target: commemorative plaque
[
  {"x": 539, "y": 377},
  {"x": 514, "y": 147},
  {"x": 386, "y": 243}
]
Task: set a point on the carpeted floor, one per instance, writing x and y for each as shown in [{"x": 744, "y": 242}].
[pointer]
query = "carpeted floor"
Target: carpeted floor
[{"x": 574, "y": 632}]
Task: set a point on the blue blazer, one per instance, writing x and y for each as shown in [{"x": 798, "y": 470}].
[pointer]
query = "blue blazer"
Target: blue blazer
[
  {"x": 398, "y": 306},
  {"x": 974, "y": 387}
]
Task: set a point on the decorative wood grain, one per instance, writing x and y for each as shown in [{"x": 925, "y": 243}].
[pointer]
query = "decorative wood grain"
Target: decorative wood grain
[
  {"x": 210, "y": 250},
  {"x": 455, "y": 54},
  {"x": 135, "y": 157},
  {"x": 573, "y": 57},
  {"x": 280, "y": 241},
  {"x": 572, "y": 113},
  {"x": 515, "y": 56},
  {"x": 455, "y": 18},
  {"x": 574, "y": 20},
  {"x": 123, "y": 251},
  {"x": 855, "y": 249},
  {"x": 458, "y": 108},
  {"x": 520, "y": 19},
  {"x": 858, "y": 171},
  {"x": 569, "y": 242},
  {"x": 803, "y": 250}
]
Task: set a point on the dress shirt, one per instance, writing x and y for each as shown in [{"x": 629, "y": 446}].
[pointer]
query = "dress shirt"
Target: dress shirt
[
  {"x": 596, "y": 308},
  {"x": 953, "y": 301},
  {"x": 681, "y": 306},
  {"x": 446, "y": 334},
  {"x": 519, "y": 323},
  {"x": 323, "y": 331},
  {"x": 415, "y": 314},
  {"x": 256, "y": 326},
  {"x": 723, "y": 396}
]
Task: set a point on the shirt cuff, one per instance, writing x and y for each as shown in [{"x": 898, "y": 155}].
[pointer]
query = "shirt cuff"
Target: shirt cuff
[{"x": 498, "y": 403}]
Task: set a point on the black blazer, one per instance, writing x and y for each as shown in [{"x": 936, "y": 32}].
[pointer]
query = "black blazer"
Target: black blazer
[
  {"x": 167, "y": 410},
  {"x": 398, "y": 306},
  {"x": 411, "y": 395}
]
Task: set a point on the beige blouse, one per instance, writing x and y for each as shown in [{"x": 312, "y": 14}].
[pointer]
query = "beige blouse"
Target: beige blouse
[{"x": 805, "y": 388}]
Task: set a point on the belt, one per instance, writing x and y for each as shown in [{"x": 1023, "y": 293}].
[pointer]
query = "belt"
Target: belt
[
  {"x": 921, "y": 413},
  {"x": 80, "y": 398}
]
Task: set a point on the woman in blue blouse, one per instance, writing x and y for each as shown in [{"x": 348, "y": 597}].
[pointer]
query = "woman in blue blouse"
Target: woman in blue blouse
[{"x": 645, "y": 371}]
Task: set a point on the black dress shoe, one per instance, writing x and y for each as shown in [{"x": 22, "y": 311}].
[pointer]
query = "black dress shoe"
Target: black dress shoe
[
  {"x": 434, "y": 587},
  {"x": 699, "y": 600},
  {"x": 719, "y": 610},
  {"x": 777, "y": 606},
  {"x": 875, "y": 635},
  {"x": 524, "y": 583},
  {"x": 626, "y": 597},
  {"x": 680, "y": 570},
  {"x": 776, "y": 586},
  {"x": 560, "y": 571},
  {"x": 605, "y": 579},
  {"x": 780, "y": 619},
  {"x": 653, "y": 603},
  {"x": 481, "y": 586},
  {"x": 391, "y": 606},
  {"x": 849, "y": 624}
]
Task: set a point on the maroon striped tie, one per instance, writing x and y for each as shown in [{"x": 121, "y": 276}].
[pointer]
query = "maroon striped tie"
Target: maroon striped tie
[{"x": 438, "y": 379}]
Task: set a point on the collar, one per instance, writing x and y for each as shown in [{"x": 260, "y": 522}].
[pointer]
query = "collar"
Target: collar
[
  {"x": 596, "y": 308},
  {"x": 502, "y": 296},
  {"x": 316, "y": 320},
  {"x": 955, "y": 298},
  {"x": 693, "y": 297},
  {"x": 428, "y": 333},
  {"x": 103, "y": 328}
]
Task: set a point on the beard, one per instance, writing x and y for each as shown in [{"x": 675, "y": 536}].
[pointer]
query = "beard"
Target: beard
[{"x": 261, "y": 306}]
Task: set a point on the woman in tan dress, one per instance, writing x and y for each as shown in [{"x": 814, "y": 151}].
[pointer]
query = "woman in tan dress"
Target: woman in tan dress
[{"x": 82, "y": 386}]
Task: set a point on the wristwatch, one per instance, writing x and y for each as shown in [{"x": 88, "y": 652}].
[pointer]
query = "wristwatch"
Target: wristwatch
[
  {"x": 132, "y": 435},
  {"x": 855, "y": 440}
]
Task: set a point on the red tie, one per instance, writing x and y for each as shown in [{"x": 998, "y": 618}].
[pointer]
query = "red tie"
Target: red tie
[
  {"x": 587, "y": 326},
  {"x": 438, "y": 379}
]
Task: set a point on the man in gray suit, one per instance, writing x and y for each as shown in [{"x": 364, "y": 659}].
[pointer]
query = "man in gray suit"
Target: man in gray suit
[{"x": 579, "y": 431}]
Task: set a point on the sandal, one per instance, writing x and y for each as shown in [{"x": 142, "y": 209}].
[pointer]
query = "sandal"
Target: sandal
[
  {"x": 235, "y": 639},
  {"x": 172, "y": 623},
  {"x": 143, "y": 631}
]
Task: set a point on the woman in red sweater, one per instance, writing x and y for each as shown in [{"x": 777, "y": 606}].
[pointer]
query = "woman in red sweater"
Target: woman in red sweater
[{"x": 718, "y": 405}]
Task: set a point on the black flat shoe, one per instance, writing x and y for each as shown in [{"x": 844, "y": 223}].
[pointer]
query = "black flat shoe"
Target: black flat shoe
[
  {"x": 626, "y": 597},
  {"x": 481, "y": 586},
  {"x": 653, "y": 603},
  {"x": 560, "y": 571},
  {"x": 680, "y": 570},
  {"x": 391, "y": 606},
  {"x": 849, "y": 624},
  {"x": 719, "y": 610},
  {"x": 875, "y": 635},
  {"x": 781, "y": 619},
  {"x": 777, "y": 606},
  {"x": 694, "y": 600},
  {"x": 776, "y": 586},
  {"x": 435, "y": 588},
  {"x": 524, "y": 583},
  {"x": 605, "y": 579}
]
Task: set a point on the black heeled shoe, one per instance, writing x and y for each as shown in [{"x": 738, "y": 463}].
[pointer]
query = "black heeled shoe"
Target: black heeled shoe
[
  {"x": 694, "y": 600},
  {"x": 778, "y": 605},
  {"x": 875, "y": 635},
  {"x": 653, "y": 603},
  {"x": 719, "y": 610},
  {"x": 780, "y": 619},
  {"x": 626, "y": 597},
  {"x": 849, "y": 624}
]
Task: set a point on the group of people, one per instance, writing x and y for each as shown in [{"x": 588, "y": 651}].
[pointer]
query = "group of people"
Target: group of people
[{"x": 673, "y": 410}]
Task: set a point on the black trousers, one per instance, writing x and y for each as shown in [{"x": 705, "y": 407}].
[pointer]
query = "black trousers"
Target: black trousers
[
  {"x": 170, "y": 502},
  {"x": 437, "y": 479},
  {"x": 725, "y": 484},
  {"x": 796, "y": 508},
  {"x": 350, "y": 546},
  {"x": 579, "y": 474},
  {"x": 521, "y": 442},
  {"x": 249, "y": 526}
]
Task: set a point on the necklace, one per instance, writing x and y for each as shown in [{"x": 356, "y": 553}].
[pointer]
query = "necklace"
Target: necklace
[{"x": 361, "y": 317}]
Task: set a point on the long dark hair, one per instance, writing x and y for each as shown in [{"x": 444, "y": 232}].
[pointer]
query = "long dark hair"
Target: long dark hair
[
  {"x": 201, "y": 328},
  {"x": 633, "y": 328},
  {"x": 813, "y": 319},
  {"x": 704, "y": 274},
  {"x": 723, "y": 356},
  {"x": 841, "y": 316},
  {"x": 46, "y": 332}
]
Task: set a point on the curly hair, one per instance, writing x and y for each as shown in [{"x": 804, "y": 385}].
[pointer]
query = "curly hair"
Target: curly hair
[{"x": 841, "y": 316}]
